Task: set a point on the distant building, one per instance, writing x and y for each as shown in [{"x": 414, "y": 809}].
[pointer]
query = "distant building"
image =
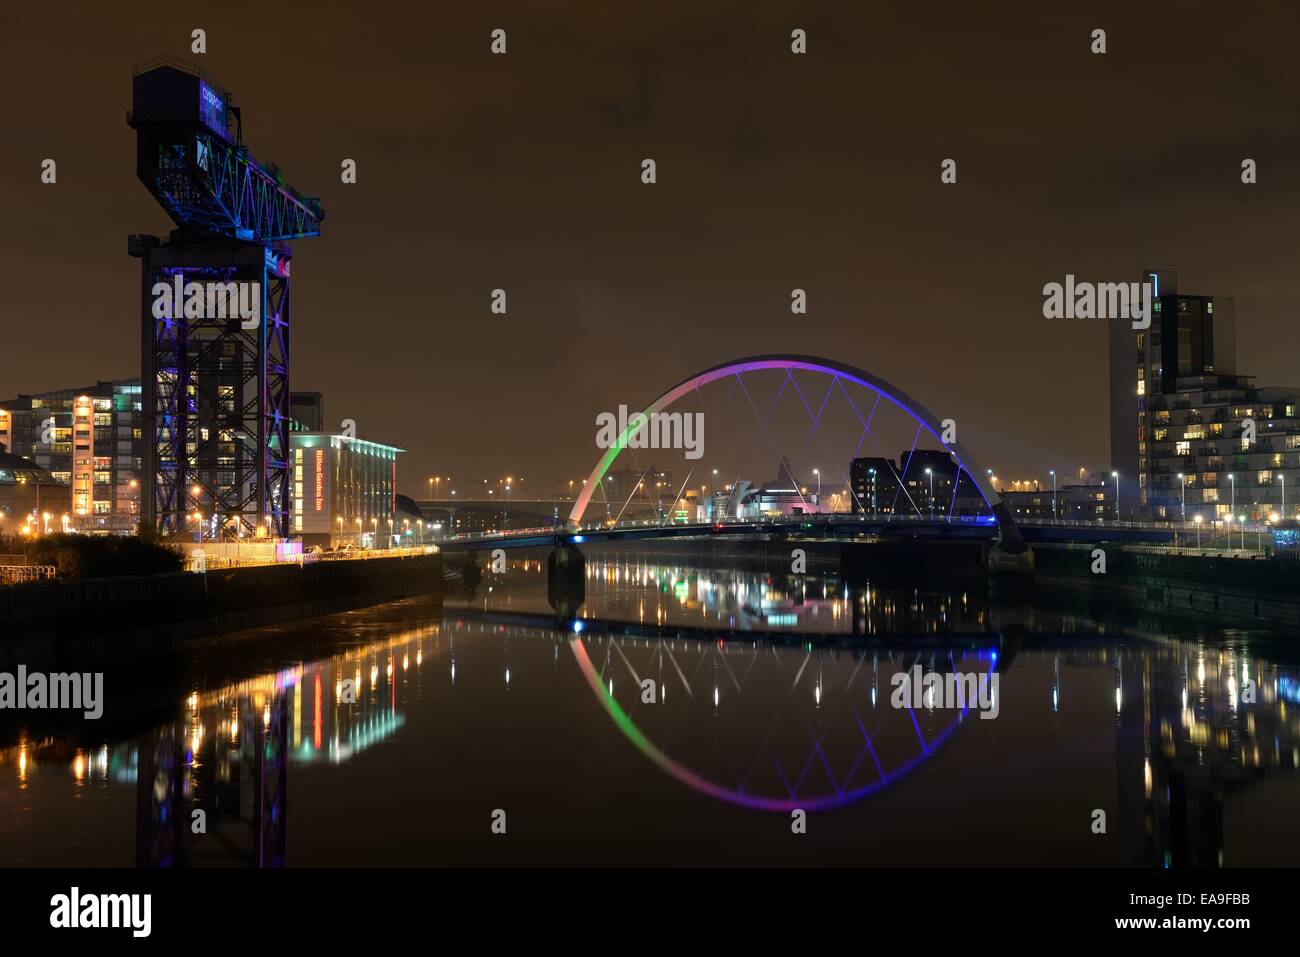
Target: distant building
[
  {"x": 344, "y": 490},
  {"x": 875, "y": 485},
  {"x": 920, "y": 484},
  {"x": 1179, "y": 414},
  {"x": 307, "y": 409},
  {"x": 28, "y": 493},
  {"x": 89, "y": 439},
  {"x": 1201, "y": 453},
  {"x": 1090, "y": 498}
]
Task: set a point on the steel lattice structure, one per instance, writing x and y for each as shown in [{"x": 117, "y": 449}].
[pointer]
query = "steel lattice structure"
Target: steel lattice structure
[{"x": 214, "y": 388}]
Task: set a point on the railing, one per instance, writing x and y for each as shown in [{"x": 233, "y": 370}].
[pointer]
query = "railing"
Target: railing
[
  {"x": 213, "y": 562},
  {"x": 18, "y": 574}
]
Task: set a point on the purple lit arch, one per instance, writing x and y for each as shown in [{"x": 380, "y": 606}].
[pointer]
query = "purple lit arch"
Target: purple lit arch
[{"x": 884, "y": 391}]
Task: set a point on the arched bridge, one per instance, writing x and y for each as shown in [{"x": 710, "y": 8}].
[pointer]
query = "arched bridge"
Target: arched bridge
[{"x": 805, "y": 390}]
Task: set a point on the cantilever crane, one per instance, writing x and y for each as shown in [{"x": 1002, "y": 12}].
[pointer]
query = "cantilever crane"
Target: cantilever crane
[{"x": 214, "y": 389}]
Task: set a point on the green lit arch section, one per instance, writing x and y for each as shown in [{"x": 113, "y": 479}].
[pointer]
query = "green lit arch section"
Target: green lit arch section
[{"x": 1008, "y": 532}]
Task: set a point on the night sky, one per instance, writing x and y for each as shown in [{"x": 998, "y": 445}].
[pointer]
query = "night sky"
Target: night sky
[{"x": 775, "y": 171}]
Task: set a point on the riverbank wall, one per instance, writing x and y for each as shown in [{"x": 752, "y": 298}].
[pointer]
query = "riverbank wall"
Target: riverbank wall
[{"x": 163, "y": 609}]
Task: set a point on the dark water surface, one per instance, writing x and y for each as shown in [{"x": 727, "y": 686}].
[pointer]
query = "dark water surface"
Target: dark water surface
[{"x": 759, "y": 709}]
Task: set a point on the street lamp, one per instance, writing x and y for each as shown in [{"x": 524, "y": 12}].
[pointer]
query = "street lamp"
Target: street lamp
[
  {"x": 930, "y": 474},
  {"x": 1115, "y": 476},
  {"x": 817, "y": 472},
  {"x": 873, "y": 492},
  {"x": 1183, "y": 478},
  {"x": 1198, "y": 531},
  {"x": 1052, "y": 472}
]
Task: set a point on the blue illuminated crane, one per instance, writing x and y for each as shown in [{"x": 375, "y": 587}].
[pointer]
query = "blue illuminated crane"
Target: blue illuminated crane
[{"x": 214, "y": 388}]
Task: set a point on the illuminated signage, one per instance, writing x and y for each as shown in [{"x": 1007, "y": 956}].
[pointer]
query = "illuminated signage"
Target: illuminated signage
[
  {"x": 212, "y": 109},
  {"x": 320, "y": 479},
  {"x": 276, "y": 263}
]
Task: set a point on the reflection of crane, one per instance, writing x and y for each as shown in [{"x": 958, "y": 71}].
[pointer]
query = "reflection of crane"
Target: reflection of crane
[
  {"x": 214, "y": 388},
  {"x": 241, "y": 788}
]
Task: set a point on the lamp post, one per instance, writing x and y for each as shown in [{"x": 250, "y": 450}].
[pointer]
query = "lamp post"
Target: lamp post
[
  {"x": 1115, "y": 476},
  {"x": 1052, "y": 472},
  {"x": 1183, "y": 478},
  {"x": 818, "y": 473},
  {"x": 930, "y": 475},
  {"x": 873, "y": 492},
  {"x": 1232, "y": 483},
  {"x": 1283, "y": 478}
]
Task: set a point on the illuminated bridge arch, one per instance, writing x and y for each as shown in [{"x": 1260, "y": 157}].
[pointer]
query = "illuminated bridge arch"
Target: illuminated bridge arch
[{"x": 838, "y": 373}]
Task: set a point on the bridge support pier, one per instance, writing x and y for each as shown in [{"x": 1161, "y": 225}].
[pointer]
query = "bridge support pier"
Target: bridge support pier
[{"x": 566, "y": 580}]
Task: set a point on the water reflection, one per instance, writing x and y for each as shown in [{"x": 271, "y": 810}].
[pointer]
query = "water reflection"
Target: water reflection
[
  {"x": 636, "y": 587},
  {"x": 1186, "y": 740}
]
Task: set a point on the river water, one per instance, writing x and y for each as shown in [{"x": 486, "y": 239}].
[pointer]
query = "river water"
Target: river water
[{"x": 691, "y": 715}]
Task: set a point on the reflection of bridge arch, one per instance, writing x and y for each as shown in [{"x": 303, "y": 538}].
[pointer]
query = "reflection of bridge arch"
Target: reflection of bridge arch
[
  {"x": 875, "y": 766},
  {"x": 1008, "y": 532}
]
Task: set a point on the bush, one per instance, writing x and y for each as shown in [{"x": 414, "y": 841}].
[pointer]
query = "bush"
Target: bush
[{"x": 92, "y": 556}]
